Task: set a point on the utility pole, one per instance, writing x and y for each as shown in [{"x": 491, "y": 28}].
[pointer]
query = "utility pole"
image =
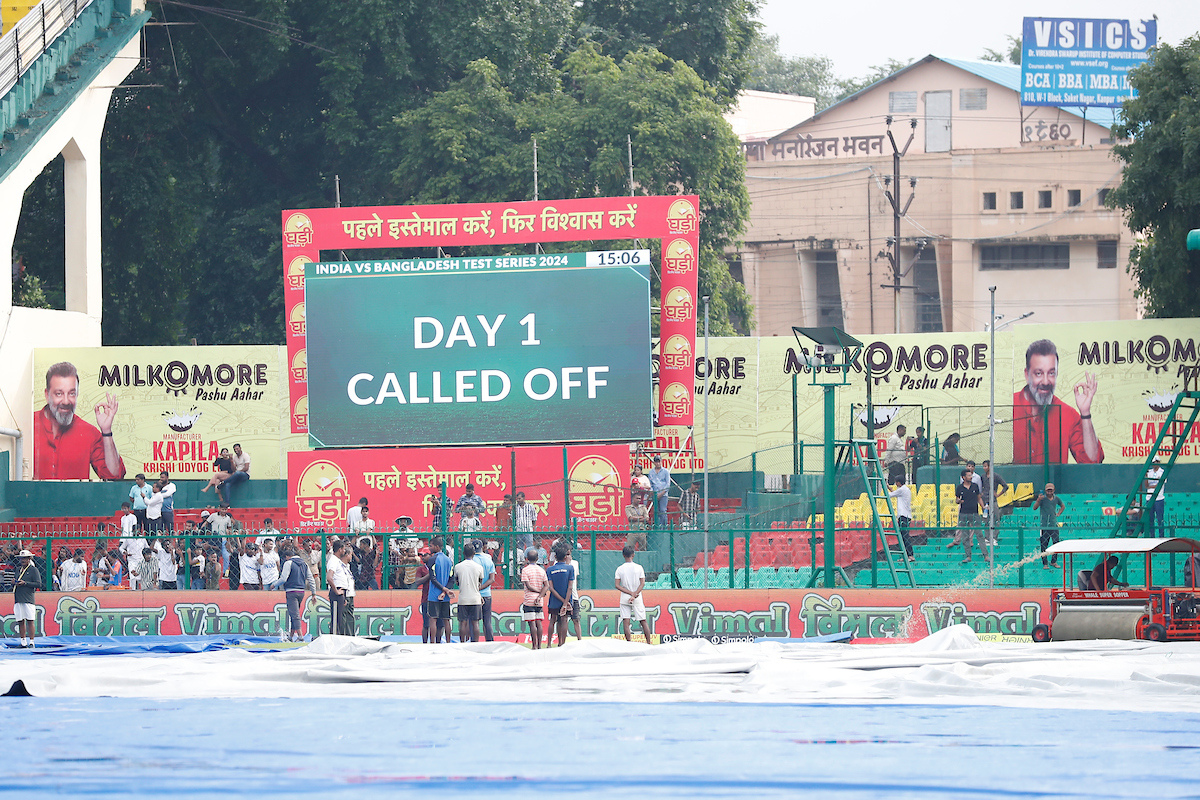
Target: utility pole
[{"x": 897, "y": 212}]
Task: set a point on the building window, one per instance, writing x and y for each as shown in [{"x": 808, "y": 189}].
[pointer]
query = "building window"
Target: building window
[
  {"x": 1102, "y": 197},
  {"x": 1073, "y": 198},
  {"x": 1045, "y": 198},
  {"x": 1016, "y": 200},
  {"x": 902, "y": 102},
  {"x": 972, "y": 99},
  {"x": 1106, "y": 255},
  {"x": 1025, "y": 256},
  {"x": 927, "y": 298},
  {"x": 829, "y": 290},
  {"x": 989, "y": 201}
]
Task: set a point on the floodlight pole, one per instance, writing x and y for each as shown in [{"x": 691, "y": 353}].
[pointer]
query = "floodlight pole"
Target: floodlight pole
[
  {"x": 830, "y": 410},
  {"x": 991, "y": 531},
  {"x": 707, "y": 370}
]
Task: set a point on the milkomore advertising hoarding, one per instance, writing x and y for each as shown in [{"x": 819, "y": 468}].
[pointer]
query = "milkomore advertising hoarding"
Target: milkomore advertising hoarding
[
  {"x": 323, "y": 484},
  {"x": 1082, "y": 62},
  {"x": 176, "y": 408},
  {"x": 553, "y": 347},
  {"x": 1125, "y": 375},
  {"x": 725, "y": 615}
]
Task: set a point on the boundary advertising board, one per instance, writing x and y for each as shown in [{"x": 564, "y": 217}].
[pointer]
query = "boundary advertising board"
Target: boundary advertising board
[
  {"x": 675, "y": 220},
  {"x": 727, "y": 615},
  {"x": 323, "y": 484}
]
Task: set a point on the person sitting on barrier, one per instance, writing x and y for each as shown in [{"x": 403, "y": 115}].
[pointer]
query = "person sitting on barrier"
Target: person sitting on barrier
[
  {"x": 950, "y": 454},
  {"x": 224, "y": 468},
  {"x": 1102, "y": 574}
]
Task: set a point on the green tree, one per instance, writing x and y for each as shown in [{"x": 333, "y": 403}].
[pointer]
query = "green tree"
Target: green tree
[
  {"x": 772, "y": 71},
  {"x": 473, "y": 142},
  {"x": 1012, "y": 55},
  {"x": 1159, "y": 191},
  {"x": 711, "y": 36}
]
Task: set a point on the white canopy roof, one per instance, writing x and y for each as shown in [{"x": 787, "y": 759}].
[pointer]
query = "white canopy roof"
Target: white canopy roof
[{"x": 1124, "y": 545}]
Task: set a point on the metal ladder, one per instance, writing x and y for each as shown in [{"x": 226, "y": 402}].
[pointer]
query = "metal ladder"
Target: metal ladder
[
  {"x": 1174, "y": 432},
  {"x": 866, "y": 458}
]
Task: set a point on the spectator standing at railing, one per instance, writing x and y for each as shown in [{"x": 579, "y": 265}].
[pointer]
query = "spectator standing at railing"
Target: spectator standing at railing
[
  {"x": 689, "y": 506},
  {"x": 139, "y": 493},
  {"x": 220, "y": 524},
  {"x": 363, "y": 563},
  {"x": 99, "y": 562},
  {"x": 167, "y": 553},
  {"x": 129, "y": 521},
  {"x": 132, "y": 548},
  {"x": 148, "y": 570},
  {"x": 660, "y": 483},
  {"x": 269, "y": 531},
  {"x": 196, "y": 564},
  {"x": 248, "y": 567},
  {"x": 469, "y": 523},
  {"x": 526, "y": 517},
  {"x": 636, "y": 516},
  {"x": 895, "y": 453},
  {"x": 918, "y": 449},
  {"x": 73, "y": 573},
  {"x": 639, "y": 485},
  {"x": 168, "y": 507},
  {"x": 950, "y": 454},
  {"x": 354, "y": 515},
  {"x": 268, "y": 563},
  {"x": 241, "y": 473},
  {"x": 154, "y": 511},
  {"x": 903, "y": 497}
]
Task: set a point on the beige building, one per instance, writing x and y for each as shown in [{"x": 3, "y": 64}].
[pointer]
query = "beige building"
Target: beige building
[{"x": 1002, "y": 196}]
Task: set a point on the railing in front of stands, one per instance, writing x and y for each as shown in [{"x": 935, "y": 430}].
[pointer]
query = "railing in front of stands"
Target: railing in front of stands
[
  {"x": 729, "y": 557},
  {"x": 32, "y": 35}
]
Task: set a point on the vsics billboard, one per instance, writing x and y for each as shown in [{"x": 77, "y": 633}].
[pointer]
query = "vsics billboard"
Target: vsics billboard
[
  {"x": 477, "y": 350},
  {"x": 1082, "y": 62}
]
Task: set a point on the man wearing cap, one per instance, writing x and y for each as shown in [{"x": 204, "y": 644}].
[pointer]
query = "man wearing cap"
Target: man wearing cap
[
  {"x": 660, "y": 483},
  {"x": 1155, "y": 479},
  {"x": 1050, "y": 507},
  {"x": 485, "y": 588},
  {"x": 28, "y": 581}
]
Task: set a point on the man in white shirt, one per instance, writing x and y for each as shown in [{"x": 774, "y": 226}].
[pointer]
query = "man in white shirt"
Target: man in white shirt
[
  {"x": 268, "y": 563},
  {"x": 248, "y": 561},
  {"x": 168, "y": 564},
  {"x": 896, "y": 452},
  {"x": 73, "y": 573},
  {"x": 129, "y": 521},
  {"x": 902, "y": 496},
  {"x": 341, "y": 583},
  {"x": 241, "y": 472},
  {"x": 354, "y": 515},
  {"x": 131, "y": 547},
  {"x": 1157, "y": 509},
  {"x": 168, "y": 506},
  {"x": 469, "y": 574},
  {"x": 364, "y": 525},
  {"x": 630, "y": 581},
  {"x": 155, "y": 524},
  {"x": 469, "y": 522},
  {"x": 268, "y": 532}
]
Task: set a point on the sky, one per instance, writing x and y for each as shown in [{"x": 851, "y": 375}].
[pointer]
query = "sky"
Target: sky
[{"x": 859, "y": 35}]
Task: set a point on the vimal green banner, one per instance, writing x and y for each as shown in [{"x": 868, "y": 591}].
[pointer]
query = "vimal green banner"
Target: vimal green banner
[{"x": 512, "y": 349}]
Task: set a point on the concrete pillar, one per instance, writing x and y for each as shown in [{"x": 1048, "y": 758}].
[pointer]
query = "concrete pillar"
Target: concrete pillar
[{"x": 81, "y": 194}]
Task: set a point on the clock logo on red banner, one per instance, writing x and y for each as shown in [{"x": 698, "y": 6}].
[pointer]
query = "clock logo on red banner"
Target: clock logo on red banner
[
  {"x": 678, "y": 305},
  {"x": 300, "y": 412},
  {"x": 677, "y": 401},
  {"x": 677, "y": 353},
  {"x": 300, "y": 366},
  {"x": 295, "y": 272},
  {"x": 322, "y": 494},
  {"x": 681, "y": 217},
  {"x": 296, "y": 320},
  {"x": 297, "y": 231},
  {"x": 679, "y": 257}
]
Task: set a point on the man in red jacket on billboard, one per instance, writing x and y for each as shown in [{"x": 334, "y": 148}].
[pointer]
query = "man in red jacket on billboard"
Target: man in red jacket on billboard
[{"x": 1036, "y": 409}]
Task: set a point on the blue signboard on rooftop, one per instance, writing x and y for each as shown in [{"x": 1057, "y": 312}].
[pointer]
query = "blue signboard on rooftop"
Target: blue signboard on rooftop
[{"x": 1082, "y": 62}]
